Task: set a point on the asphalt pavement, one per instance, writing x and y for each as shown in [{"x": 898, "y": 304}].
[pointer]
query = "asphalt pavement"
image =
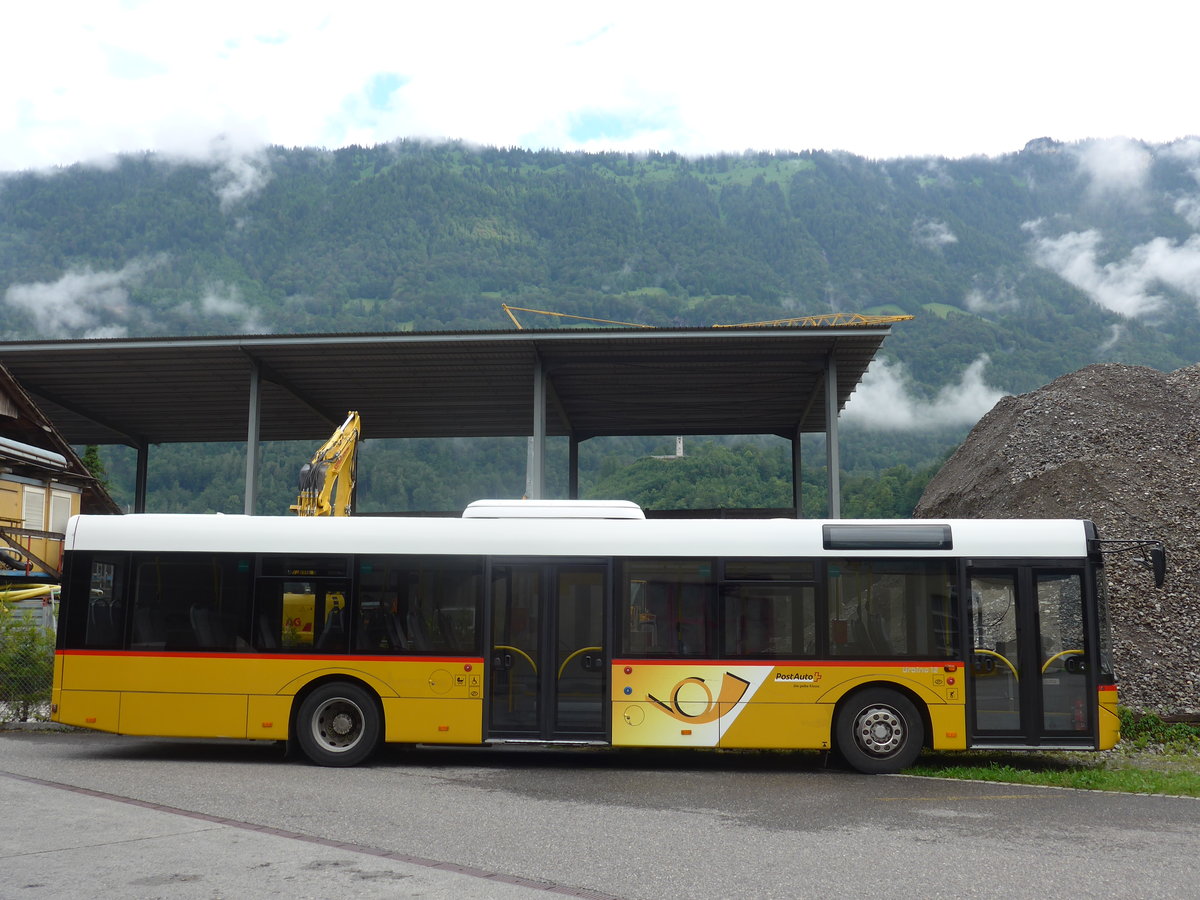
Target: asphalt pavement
[
  {"x": 85, "y": 814},
  {"x": 59, "y": 840}
]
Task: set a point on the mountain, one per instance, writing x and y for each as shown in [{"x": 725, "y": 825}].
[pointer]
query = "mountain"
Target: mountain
[{"x": 1017, "y": 268}]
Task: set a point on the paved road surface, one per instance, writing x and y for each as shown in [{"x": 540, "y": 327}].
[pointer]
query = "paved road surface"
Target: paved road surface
[{"x": 106, "y": 816}]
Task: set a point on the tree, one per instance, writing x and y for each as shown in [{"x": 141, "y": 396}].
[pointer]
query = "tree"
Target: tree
[
  {"x": 26, "y": 664},
  {"x": 95, "y": 465}
]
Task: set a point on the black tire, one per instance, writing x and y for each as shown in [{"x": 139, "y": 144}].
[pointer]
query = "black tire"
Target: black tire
[
  {"x": 879, "y": 731},
  {"x": 338, "y": 724}
]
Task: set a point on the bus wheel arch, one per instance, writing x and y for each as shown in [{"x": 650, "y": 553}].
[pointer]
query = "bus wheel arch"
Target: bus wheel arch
[
  {"x": 337, "y": 721},
  {"x": 880, "y": 728}
]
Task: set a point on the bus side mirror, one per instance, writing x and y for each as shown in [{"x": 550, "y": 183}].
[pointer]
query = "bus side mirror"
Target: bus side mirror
[{"x": 1158, "y": 564}]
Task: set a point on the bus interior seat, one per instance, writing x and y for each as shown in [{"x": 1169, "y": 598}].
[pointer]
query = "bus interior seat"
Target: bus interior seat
[
  {"x": 447, "y": 630},
  {"x": 416, "y": 630},
  {"x": 267, "y": 636},
  {"x": 877, "y": 635},
  {"x": 207, "y": 626},
  {"x": 333, "y": 634},
  {"x": 689, "y": 639},
  {"x": 394, "y": 634},
  {"x": 101, "y": 630},
  {"x": 148, "y": 628}
]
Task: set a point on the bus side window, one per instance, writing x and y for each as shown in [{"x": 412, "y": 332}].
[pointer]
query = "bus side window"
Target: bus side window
[
  {"x": 765, "y": 620},
  {"x": 105, "y": 625},
  {"x": 669, "y": 607},
  {"x": 889, "y": 608},
  {"x": 419, "y": 605},
  {"x": 184, "y": 601}
]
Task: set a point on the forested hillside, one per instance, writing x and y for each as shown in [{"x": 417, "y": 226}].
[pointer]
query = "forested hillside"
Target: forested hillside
[{"x": 1017, "y": 269}]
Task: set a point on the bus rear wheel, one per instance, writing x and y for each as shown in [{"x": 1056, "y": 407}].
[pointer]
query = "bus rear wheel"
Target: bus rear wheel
[
  {"x": 879, "y": 731},
  {"x": 338, "y": 724}
]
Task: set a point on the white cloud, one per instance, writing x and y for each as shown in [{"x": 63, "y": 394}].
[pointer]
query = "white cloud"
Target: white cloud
[
  {"x": 225, "y": 302},
  {"x": 1116, "y": 331},
  {"x": 89, "y": 78},
  {"x": 933, "y": 234},
  {"x": 82, "y": 303},
  {"x": 240, "y": 172},
  {"x": 1116, "y": 166},
  {"x": 85, "y": 303},
  {"x": 883, "y": 402},
  {"x": 1189, "y": 208},
  {"x": 1124, "y": 287},
  {"x": 1187, "y": 149},
  {"x": 1002, "y": 298}
]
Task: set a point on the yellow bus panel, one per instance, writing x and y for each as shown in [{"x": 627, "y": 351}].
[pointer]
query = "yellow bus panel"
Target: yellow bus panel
[
  {"x": 183, "y": 715},
  {"x": 267, "y": 717},
  {"x": 412, "y": 721},
  {"x": 252, "y": 695},
  {"x": 769, "y": 704},
  {"x": 90, "y": 709},
  {"x": 781, "y": 726}
]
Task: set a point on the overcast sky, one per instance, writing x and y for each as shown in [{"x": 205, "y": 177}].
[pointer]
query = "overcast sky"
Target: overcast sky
[{"x": 83, "y": 80}]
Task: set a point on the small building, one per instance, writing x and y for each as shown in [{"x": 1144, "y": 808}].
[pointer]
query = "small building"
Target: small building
[{"x": 43, "y": 482}]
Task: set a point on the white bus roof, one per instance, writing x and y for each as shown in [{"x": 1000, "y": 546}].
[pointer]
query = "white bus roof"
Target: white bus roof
[
  {"x": 572, "y": 537},
  {"x": 553, "y": 509}
]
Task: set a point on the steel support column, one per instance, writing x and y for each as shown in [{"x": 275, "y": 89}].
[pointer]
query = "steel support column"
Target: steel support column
[
  {"x": 254, "y": 420},
  {"x": 797, "y": 480},
  {"x": 573, "y": 468},
  {"x": 535, "y": 469},
  {"x": 140, "y": 476},
  {"x": 832, "y": 457}
]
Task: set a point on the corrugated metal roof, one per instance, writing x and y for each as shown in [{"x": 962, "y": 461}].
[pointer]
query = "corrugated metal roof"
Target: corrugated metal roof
[{"x": 449, "y": 384}]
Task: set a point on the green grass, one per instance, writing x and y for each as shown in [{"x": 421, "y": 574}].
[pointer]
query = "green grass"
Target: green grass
[
  {"x": 887, "y": 309},
  {"x": 942, "y": 310},
  {"x": 1154, "y": 757}
]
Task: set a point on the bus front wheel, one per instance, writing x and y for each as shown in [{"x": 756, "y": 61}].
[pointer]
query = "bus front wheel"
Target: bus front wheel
[
  {"x": 338, "y": 724},
  {"x": 879, "y": 731}
]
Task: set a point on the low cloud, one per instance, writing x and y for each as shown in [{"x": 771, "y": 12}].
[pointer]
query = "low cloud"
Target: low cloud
[
  {"x": 1188, "y": 152},
  {"x": 240, "y": 173},
  {"x": 884, "y": 402},
  {"x": 1187, "y": 149},
  {"x": 225, "y": 303},
  {"x": 1116, "y": 331},
  {"x": 83, "y": 303},
  {"x": 992, "y": 300},
  {"x": 1189, "y": 209},
  {"x": 1116, "y": 166},
  {"x": 1125, "y": 286},
  {"x": 932, "y": 234}
]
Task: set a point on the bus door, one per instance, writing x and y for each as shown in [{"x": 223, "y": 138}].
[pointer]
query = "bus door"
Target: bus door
[
  {"x": 548, "y": 665},
  {"x": 1031, "y": 663}
]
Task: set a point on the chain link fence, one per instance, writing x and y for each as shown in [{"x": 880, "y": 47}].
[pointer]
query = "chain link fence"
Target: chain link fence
[{"x": 27, "y": 621}]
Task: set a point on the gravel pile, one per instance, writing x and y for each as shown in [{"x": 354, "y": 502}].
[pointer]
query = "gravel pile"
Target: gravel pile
[{"x": 1118, "y": 445}]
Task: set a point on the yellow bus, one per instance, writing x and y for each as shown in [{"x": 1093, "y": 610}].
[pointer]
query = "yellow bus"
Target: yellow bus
[{"x": 562, "y": 622}]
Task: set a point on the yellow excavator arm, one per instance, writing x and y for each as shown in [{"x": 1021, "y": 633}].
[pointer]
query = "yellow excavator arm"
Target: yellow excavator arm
[{"x": 327, "y": 481}]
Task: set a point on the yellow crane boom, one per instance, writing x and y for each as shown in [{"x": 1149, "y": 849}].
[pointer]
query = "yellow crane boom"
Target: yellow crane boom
[
  {"x": 327, "y": 481},
  {"x": 826, "y": 320}
]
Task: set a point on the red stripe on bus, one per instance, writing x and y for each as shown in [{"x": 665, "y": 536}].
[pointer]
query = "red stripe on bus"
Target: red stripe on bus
[
  {"x": 1107, "y": 687},
  {"x": 810, "y": 663},
  {"x": 232, "y": 654}
]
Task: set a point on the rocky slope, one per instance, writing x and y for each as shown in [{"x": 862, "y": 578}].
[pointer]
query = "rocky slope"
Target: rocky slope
[{"x": 1118, "y": 445}]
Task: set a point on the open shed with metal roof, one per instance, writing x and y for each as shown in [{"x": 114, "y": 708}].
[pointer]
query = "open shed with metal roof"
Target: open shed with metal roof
[{"x": 579, "y": 383}]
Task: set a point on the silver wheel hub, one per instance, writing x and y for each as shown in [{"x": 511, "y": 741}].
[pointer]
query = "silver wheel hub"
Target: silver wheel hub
[
  {"x": 879, "y": 730},
  {"x": 337, "y": 724}
]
